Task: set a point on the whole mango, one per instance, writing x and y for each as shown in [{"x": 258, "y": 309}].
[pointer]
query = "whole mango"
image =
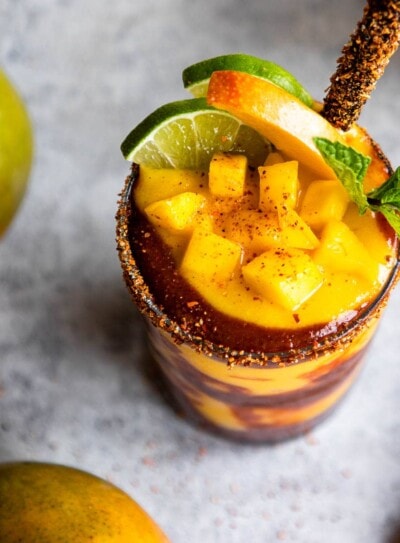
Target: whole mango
[
  {"x": 51, "y": 503},
  {"x": 16, "y": 150}
]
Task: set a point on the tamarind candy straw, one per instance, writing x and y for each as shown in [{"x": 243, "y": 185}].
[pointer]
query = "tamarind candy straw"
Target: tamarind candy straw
[{"x": 362, "y": 63}]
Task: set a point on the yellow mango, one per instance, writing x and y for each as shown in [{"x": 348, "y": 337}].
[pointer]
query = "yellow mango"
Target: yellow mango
[
  {"x": 48, "y": 502},
  {"x": 253, "y": 229},
  {"x": 210, "y": 257},
  {"x": 227, "y": 175},
  {"x": 176, "y": 213},
  {"x": 156, "y": 184},
  {"x": 287, "y": 277},
  {"x": 279, "y": 185},
  {"x": 369, "y": 231},
  {"x": 203, "y": 220},
  {"x": 324, "y": 201},
  {"x": 273, "y": 158},
  {"x": 295, "y": 232},
  {"x": 340, "y": 250},
  {"x": 257, "y": 230}
]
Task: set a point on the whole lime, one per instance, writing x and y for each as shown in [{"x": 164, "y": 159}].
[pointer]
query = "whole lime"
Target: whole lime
[
  {"x": 16, "y": 150},
  {"x": 51, "y": 503}
]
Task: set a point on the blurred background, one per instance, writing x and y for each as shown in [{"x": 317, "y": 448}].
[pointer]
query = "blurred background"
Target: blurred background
[{"x": 75, "y": 383}]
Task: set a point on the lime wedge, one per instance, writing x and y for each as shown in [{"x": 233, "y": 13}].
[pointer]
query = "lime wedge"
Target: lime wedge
[
  {"x": 187, "y": 133},
  {"x": 196, "y": 77}
]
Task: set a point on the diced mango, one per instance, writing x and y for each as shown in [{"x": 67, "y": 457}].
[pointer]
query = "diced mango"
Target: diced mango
[
  {"x": 257, "y": 230},
  {"x": 156, "y": 184},
  {"x": 273, "y": 158},
  {"x": 227, "y": 174},
  {"x": 324, "y": 201},
  {"x": 295, "y": 232},
  {"x": 279, "y": 185},
  {"x": 203, "y": 220},
  {"x": 340, "y": 250},
  {"x": 287, "y": 277},
  {"x": 210, "y": 257},
  {"x": 369, "y": 231},
  {"x": 253, "y": 229},
  {"x": 176, "y": 213}
]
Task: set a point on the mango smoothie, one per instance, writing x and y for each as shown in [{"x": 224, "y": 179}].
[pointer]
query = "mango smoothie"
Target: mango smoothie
[{"x": 259, "y": 280}]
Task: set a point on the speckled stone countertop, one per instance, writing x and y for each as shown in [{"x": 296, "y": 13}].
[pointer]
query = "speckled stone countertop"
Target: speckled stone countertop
[{"x": 75, "y": 383}]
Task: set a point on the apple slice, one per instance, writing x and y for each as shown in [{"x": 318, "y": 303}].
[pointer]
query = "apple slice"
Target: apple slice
[{"x": 275, "y": 114}]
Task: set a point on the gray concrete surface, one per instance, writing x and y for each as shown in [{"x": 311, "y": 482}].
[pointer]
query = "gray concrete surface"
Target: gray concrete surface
[{"x": 75, "y": 386}]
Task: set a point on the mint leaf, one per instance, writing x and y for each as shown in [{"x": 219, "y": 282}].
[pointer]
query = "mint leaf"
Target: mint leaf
[
  {"x": 392, "y": 216},
  {"x": 349, "y": 165},
  {"x": 391, "y": 197},
  {"x": 389, "y": 192},
  {"x": 386, "y": 200}
]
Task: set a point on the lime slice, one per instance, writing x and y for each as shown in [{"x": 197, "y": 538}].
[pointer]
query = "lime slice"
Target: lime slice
[
  {"x": 196, "y": 77},
  {"x": 187, "y": 133}
]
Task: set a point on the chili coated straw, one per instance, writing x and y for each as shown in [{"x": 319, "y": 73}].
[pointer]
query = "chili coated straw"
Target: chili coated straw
[{"x": 362, "y": 63}]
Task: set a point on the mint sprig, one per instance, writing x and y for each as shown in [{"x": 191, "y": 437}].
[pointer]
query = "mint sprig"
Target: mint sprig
[
  {"x": 350, "y": 166},
  {"x": 389, "y": 192}
]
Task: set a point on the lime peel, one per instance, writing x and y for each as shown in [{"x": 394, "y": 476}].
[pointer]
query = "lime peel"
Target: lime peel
[{"x": 196, "y": 77}]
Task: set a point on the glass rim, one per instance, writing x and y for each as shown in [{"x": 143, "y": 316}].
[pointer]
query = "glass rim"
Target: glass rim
[{"x": 143, "y": 298}]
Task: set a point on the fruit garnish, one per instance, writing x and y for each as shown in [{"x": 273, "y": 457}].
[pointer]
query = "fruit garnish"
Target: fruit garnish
[
  {"x": 280, "y": 117},
  {"x": 342, "y": 251},
  {"x": 185, "y": 134},
  {"x": 288, "y": 276},
  {"x": 16, "y": 151},
  {"x": 350, "y": 167},
  {"x": 256, "y": 251},
  {"x": 197, "y": 76},
  {"x": 324, "y": 201}
]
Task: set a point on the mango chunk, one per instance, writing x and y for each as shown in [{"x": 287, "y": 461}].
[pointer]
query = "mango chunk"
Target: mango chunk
[
  {"x": 340, "y": 250},
  {"x": 295, "y": 231},
  {"x": 203, "y": 220},
  {"x": 156, "y": 184},
  {"x": 279, "y": 185},
  {"x": 176, "y": 213},
  {"x": 210, "y": 257},
  {"x": 324, "y": 201},
  {"x": 273, "y": 158},
  {"x": 227, "y": 175},
  {"x": 287, "y": 277},
  {"x": 253, "y": 229},
  {"x": 257, "y": 230}
]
